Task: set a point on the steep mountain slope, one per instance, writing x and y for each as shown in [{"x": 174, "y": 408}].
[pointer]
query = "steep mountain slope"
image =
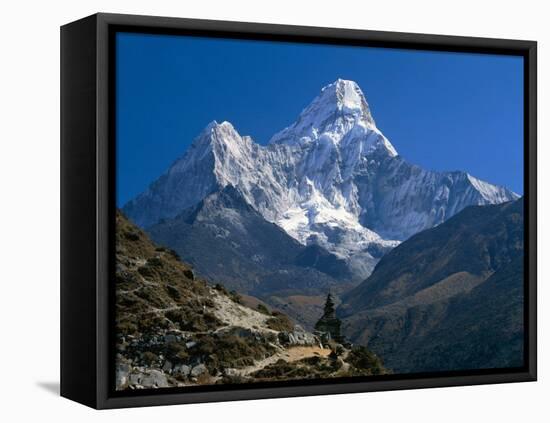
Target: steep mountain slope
[
  {"x": 331, "y": 179},
  {"x": 227, "y": 241},
  {"x": 173, "y": 329},
  {"x": 450, "y": 297},
  {"x": 400, "y": 199}
]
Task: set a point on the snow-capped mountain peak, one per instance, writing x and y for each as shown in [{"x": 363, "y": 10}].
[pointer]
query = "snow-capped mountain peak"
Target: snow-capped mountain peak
[
  {"x": 491, "y": 193},
  {"x": 339, "y": 115},
  {"x": 331, "y": 178},
  {"x": 349, "y": 99},
  {"x": 223, "y": 133},
  {"x": 229, "y": 152}
]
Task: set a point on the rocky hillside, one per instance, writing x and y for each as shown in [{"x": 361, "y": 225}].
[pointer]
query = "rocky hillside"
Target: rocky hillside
[
  {"x": 448, "y": 298},
  {"x": 174, "y": 329},
  {"x": 227, "y": 241}
]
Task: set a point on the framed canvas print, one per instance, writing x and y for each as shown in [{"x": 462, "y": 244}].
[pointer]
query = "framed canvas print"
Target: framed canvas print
[{"x": 256, "y": 211}]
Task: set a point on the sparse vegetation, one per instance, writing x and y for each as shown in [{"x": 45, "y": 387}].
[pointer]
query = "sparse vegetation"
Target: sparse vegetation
[
  {"x": 262, "y": 309},
  {"x": 173, "y": 292},
  {"x": 234, "y": 295},
  {"x": 166, "y": 321},
  {"x": 280, "y": 322},
  {"x": 149, "y": 358},
  {"x": 176, "y": 352},
  {"x": 154, "y": 262},
  {"x": 131, "y": 236},
  {"x": 219, "y": 287},
  {"x": 126, "y": 328},
  {"x": 229, "y": 349},
  {"x": 189, "y": 319},
  {"x": 307, "y": 368},
  {"x": 151, "y": 322},
  {"x": 365, "y": 362},
  {"x": 188, "y": 273}
]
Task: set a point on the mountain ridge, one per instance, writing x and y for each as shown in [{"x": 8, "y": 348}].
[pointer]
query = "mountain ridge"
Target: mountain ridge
[
  {"x": 448, "y": 298},
  {"x": 228, "y": 241},
  {"x": 331, "y": 178}
]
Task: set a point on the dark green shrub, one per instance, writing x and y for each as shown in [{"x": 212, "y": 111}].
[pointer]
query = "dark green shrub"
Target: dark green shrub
[
  {"x": 280, "y": 323},
  {"x": 234, "y": 295},
  {"x": 174, "y": 254},
  {"x": 193, "y": 320},
  {"x": 154, "y": 262},
  {"x": 176, "y": 352},
  {"x": 229, "y": 350},
  {"x": 365, "y": 361},
  {"x": 210, "y": 319},
  {"x": 188, "y": 273},
  {"x": 151, "y": 296},
  {"x": 126, "y": 328},
  {"x": 147, "y": 271},
  {"x": 232, "y": 379},
  {"x": 151, "y": 323},
  {"x": 131, "y": 236},
  {"x": 126, "y": 300},
  {"x": 173, "y": 292},
  {"x": 149, "y": 358},
  {"x": 262, "y": 309}
]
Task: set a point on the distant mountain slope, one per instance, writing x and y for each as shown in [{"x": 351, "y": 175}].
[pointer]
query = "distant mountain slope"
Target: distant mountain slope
[
  {"x": 331, "y": 179},
  {"x": 173, "y": 329},
  {"x": 450, "y": 297},
  {"x": 226, "y": 240}
]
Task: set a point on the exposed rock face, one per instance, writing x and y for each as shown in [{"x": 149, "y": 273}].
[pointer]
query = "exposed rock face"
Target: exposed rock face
[
  {"x": 198, "y": 370},
  {"x": 298, "y": 337},
  {"x": 140, "y": 377},
  {"x": 227, "y": 241},
  {"x": 181, "y": 370}
]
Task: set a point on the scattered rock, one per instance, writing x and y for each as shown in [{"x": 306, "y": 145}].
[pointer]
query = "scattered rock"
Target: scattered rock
[
  {"x": 298, "y": 337},
  {"x": 198, "y": 370},
  {"x": 154, "y": 379},
  {"x": 135, "y": 378},
  {"x": 170, "y": 338},
  {"x": 231, "y": 372},
  {"x": 122, "y": 371},
  {"x": 167, "y": 366},
  {"x": 181, "y": 369}
]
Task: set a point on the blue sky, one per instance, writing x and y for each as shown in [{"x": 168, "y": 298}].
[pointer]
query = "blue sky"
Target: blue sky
[{"x": 443, "y": 111}]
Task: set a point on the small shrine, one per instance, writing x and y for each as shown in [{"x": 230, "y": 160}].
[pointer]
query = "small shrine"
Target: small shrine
[{"x": 328, "y": 326}]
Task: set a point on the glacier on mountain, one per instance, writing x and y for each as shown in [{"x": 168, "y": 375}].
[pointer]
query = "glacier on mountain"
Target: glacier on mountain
[{"x": 331, "y": 178}]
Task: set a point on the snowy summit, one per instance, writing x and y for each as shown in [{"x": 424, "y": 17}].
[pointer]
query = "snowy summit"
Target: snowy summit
[
  {"x": 338, "y": 113},
  {"x": 331, "y": 178}
]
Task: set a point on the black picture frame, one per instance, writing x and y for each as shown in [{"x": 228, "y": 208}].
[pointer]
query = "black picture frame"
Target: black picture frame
[{"x": 88, "y": 206}]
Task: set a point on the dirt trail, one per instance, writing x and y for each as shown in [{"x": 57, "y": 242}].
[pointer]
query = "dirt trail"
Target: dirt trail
[
  {"x": 289, "y": 355},
  {"x": 297, "y": 353}
]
